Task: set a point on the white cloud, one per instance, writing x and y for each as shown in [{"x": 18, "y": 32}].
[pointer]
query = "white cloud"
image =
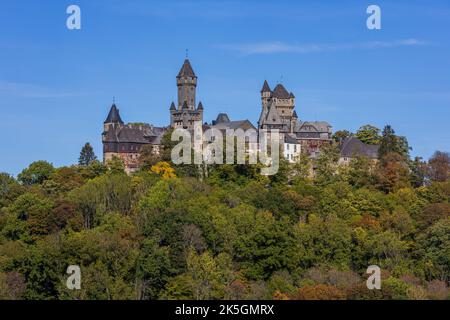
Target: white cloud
[{"x": 282, "y": 47}]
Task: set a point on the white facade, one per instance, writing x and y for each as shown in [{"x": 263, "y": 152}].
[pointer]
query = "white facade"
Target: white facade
[{"x": 292, "y": 151}]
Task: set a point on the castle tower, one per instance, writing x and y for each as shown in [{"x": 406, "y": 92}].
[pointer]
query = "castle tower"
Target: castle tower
[
  {"x": 186, "y": 114},
  {"x": 113, "y": 118},
  {"x": 266, "y": 94},
  {"x": 187, "y": 84}
]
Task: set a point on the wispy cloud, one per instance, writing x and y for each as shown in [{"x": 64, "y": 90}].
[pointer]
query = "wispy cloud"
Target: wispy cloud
[
  {"x": 32, "y": 91},
  {"x": 282, "y": 47}
]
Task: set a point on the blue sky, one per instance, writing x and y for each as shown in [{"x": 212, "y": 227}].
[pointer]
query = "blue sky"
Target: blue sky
[{"x": 56, "y": 85}]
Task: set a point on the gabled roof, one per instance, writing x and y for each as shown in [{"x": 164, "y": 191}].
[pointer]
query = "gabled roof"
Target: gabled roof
[
  {"x": 318, "y": 126},
  {"x": 280, "y": 92},
  {"x": 295, "y": 114},
  {"x": 113, "y": 115},
  {"x": 352, "y": 147},
  {"x": 272, "y": 116},
  {"x": 186, "y": 70},
  {"x": 265, "y": 87},
  {"x": 185, "y": 106},
  {"x": 307, "y": 126}
]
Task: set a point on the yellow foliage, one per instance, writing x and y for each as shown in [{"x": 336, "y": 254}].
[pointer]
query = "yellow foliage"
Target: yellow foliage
[{"x": 164, "y": 169}]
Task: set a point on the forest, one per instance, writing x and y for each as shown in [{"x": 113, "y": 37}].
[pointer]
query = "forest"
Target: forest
[{"x": 227, "y": 232}]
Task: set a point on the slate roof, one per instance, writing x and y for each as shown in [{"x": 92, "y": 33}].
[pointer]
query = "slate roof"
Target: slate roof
[
  {"x": 113, "y": 115},
  {"x": 265, "y": 87},
  {"x": 353, "y": 146},
  {"x": 186, "y": 70},
  {"x": 319, "y": 126},
  {"x": 280, "y": 92},
  {"x": 143, "y": 134},
  {"x": 172, "y": 106}
]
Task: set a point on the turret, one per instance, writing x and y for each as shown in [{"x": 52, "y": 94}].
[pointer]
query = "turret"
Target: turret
[
  {"x": 187, "y": 84},
  {"x": 113, "y": 118}
]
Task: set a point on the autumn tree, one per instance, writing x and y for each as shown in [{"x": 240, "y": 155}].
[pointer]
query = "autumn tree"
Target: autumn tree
[{"x": 439, "y": 166}]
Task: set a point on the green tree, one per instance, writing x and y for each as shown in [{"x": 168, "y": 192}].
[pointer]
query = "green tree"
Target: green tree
[
  {"x": 418, "y": 172},
  {"x": 369, "y": 134},
  {"x": 391, "y": 143},
  {"x": 341, "y": 135},
  {"x": 87, "y": 155},
  {"x": 326, "y": 164},
  {"x": 115, "y": 165},
  {"x": 28, "y": 218},
  {"x": 153, "y": 269},
  {"x": 435, "y": 244},
  {"x": 36, "y": 173}
]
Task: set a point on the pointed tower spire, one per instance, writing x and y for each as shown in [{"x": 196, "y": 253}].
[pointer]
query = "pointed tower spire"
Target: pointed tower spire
[
  {"x": 113, "y": 115},
  {"x": 186, "y": 70},
  {"x": 200, "y": 106},
  {"x": 265, "y": 87},
  {"x": 172, "y": 107}
]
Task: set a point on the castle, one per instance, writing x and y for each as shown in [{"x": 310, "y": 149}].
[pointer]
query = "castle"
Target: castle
[{"x": 278, "y": 112}]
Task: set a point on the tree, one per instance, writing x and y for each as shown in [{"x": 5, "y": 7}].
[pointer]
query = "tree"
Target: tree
[
  {"x": 326, "y": 164},
  {"x": 360, "y": 172},
  {"x": 148, "y": 157},
  {"x": 164, "y": 170},
  {"x": 87, "y": 155},
  {"x": 341, "y": 135},
  {"x": 390, "y": 143},
  {"x": 418, "y": 172},
  {"x": 369, "y": 134},
  {"x": 28, "y": 218},
  {"x": 302, "y": 168},
  {"x": 153, "y": 269},
  {"x": 435, "y": 244},
  {"x": 36, "y": 173},
  {"x": 12, "y": 286},
  {"x": 115, "y": 165},
  {"x": 439, "y": 166},
  {"x": 319, "y": 292},
  {"x": 9, "y": 189},
  {"x": 433, "y": 213},
  {"x": 392, "y": 173}
]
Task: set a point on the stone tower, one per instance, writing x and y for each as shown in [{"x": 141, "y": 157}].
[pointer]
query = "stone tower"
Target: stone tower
[
  {"x": 277, "y": 109},
  {"x": 185, "y": 113}
]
